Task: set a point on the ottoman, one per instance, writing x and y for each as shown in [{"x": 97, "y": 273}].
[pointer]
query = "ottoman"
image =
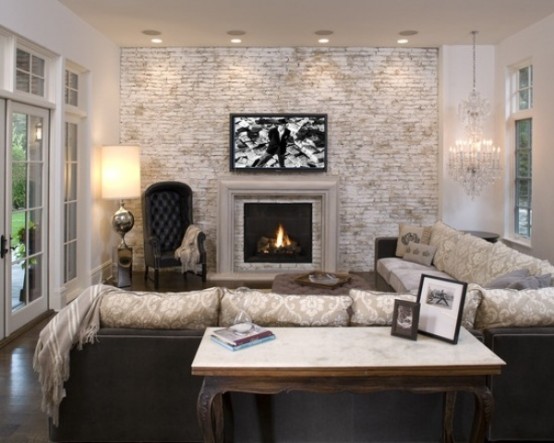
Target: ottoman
[{"x": 287, "y": 284}]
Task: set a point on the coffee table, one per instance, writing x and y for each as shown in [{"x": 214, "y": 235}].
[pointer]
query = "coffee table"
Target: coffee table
[
  {"x": 316, "y": 360},
  {"x": 287, "y": 284}
]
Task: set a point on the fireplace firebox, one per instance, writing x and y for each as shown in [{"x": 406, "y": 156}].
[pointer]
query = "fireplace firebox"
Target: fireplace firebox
[{"x": 277, "y": 232}]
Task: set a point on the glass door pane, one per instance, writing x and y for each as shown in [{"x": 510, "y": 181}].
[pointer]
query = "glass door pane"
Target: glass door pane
[{"x": 27, "y": 214}]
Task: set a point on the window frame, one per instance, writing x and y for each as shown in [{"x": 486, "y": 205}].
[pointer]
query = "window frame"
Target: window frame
[
  {"x": 515, "y": 116},
  {"x": 47, "y": 99}
]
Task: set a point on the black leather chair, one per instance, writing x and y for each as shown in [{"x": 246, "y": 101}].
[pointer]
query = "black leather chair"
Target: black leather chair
[{"x": 167, "y": 213}]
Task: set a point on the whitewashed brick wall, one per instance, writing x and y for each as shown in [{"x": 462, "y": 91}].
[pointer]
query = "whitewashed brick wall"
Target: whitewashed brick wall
[{"x": 382, "y": 106}]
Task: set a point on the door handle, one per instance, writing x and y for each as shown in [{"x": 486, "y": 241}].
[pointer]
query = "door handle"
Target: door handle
[{"x": 3, "y": 246}]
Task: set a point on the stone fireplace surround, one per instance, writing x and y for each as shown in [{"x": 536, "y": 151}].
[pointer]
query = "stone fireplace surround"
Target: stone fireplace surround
[{"x": 322, "y": 191}]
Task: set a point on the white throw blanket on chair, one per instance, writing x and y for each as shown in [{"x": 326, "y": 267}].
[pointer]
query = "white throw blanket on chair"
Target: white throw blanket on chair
[
  {"x": 75, "y": 324},
  {"x": 188, "y": 252}
]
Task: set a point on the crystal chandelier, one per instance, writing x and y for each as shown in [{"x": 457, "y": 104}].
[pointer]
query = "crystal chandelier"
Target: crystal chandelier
[{"x": 474, "y": 162}]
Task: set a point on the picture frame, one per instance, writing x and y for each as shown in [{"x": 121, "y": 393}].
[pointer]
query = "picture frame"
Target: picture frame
[
  {"x": 405, "y": 319},
  {"x": 441, "y": 305},
  {"x": 261, "y": 142}
]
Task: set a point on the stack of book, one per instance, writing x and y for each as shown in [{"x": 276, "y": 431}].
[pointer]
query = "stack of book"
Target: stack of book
[{"x": 241, "y": 336}]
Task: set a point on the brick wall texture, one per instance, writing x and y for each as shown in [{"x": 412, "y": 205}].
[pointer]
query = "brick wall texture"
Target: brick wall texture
[{"x": 382, "y": 106}]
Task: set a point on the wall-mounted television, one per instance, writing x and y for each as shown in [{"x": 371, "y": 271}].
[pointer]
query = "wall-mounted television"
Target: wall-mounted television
[{"x": 282, "y": 142}]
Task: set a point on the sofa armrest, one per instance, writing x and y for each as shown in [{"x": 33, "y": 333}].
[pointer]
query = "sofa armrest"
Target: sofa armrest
[
  {"x": 384, "y": 247},
  {"x": 524, "y": 406}
]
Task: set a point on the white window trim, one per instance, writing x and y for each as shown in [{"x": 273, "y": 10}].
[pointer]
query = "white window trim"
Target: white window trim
[{"x": 513, "y": 114}]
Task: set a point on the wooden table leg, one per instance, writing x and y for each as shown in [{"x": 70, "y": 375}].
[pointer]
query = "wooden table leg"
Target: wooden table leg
[
  {"x": 210, "y": 412},
  {"x": 484, "y": 406},
  {"x": 448, "y": 417}
]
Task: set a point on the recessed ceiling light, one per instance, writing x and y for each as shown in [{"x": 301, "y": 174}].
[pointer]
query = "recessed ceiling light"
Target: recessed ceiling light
[
  {"x": 323, "y": 40},
  {"x": 236, "y": 40},
  {"x": 323, "y": 32},
  {"x": 156, "y": 40},
  {"x": 151, "y": 32},
  {"x": 407, "y": 33},
  {"x": 402, "y": 41}
]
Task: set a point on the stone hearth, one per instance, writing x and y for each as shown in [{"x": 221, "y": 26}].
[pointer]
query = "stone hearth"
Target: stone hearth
[{"x": 321, "y": 192}]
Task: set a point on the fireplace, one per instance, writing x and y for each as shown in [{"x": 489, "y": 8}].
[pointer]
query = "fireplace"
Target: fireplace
[
  {"x": 277, "y": 232},
  {"x": 237, "y": 193}
]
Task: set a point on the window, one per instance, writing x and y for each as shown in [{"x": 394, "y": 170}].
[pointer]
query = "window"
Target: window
[
  {"x": 522, "y": 118},
  {"x": 30, "y": 73},
  {"x": 523, "y": 174},
  {"x": 71, "y": 88},
  {"x": 70, "y": 201}
]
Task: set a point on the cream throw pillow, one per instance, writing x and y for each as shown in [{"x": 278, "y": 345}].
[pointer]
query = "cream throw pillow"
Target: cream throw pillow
[
  {"x": 150, "y": 310},
  {"x": 502, "y": 308},
  {"x": 444, "y": 238},
  {"x": 270, "y": 309},
  {"x": 372, "y": 308},
  {"x": 420, "y": 253},
  {"x": 410, "y": 233}
]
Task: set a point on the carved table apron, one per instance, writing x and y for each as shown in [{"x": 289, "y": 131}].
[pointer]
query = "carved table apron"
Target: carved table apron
[{"x": 353, "y": 359}]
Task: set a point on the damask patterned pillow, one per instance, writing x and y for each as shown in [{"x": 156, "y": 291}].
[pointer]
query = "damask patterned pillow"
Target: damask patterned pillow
[
  {"x": 270, "y": 309},
  {"x": 469, "y": 260},
  {"x": 444, "y": 238},
  {"x": 504, "y": 259},
  {"x": 372, "y": 308},
  {"x": 409, "y": 233},
  {"x": 150, "y": 310},
  {"x": 502, "y": 308}
]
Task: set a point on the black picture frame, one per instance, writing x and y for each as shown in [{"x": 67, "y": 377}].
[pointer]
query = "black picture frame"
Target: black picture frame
[
  {"x": 405, "y": 319},
  {"x": 441, "y": 306},
  {"x": 256, "y": 147}
]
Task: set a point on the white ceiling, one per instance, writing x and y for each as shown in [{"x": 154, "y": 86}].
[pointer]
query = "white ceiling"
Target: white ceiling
[{"x": 371, "y": 23}]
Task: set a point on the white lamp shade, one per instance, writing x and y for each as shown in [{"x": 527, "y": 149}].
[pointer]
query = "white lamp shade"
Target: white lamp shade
[{"x": 120, "y": 171}]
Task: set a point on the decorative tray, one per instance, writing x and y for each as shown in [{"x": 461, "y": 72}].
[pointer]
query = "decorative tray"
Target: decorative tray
[{"x": 320, "y": 279}]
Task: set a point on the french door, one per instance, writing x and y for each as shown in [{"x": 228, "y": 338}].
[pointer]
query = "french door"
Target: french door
[{"x": 24, "y": 225}]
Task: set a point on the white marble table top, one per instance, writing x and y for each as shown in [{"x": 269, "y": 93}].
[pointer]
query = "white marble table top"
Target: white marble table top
[{"x": 351, "y": 351}]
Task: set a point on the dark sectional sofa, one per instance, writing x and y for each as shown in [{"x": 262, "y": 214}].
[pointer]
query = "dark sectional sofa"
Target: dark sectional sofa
[{"x": 135, "y": 384}]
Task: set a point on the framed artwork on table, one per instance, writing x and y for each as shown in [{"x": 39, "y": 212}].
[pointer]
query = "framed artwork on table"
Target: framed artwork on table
[
  {"x": 441, "y": 304},
  {"x": 405, "y": 319}
]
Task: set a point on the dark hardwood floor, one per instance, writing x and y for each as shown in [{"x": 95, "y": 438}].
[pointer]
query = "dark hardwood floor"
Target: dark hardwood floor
[{"x": 21, "y": 419}]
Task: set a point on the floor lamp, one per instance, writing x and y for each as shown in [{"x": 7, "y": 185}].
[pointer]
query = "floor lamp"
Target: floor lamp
[{"x": 120, "y": 181}]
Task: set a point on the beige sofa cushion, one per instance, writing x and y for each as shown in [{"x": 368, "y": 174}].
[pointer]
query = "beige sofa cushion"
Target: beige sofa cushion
[
  {"x": 444, "y": 238},
  {"x": 512, "y": 308},
  {"x": 150, "y": 310},
  {"x": 504, "y": 259},
  {"x": 469, "y": 260},
  {"x": 270, "y": 309},
  {"x": 373, "y": 308}
]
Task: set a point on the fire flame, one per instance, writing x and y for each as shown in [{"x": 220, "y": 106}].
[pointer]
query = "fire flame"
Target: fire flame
[{"x": 282, "y": 240}]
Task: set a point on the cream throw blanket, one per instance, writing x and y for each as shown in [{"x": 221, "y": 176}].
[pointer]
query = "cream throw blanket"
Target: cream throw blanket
[
  {"x": 75, "y": 324},
  {"x": 188, "y": 252}
]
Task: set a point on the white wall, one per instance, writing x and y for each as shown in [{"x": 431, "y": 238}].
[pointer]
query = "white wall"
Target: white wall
[
  {"x": 535, "y": 43},
  {"x": 52, "y": 26},
  {"x": 485, "y": 212}
]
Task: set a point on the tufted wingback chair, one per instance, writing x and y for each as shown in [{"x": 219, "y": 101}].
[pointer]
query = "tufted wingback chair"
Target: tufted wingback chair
[{"x": 167, "y": 213}]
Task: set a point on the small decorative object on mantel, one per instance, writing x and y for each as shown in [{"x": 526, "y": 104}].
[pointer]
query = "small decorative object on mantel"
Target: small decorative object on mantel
[
  {"x": 441, "y": 304},
  {"x": 405, "y": 319},
  {"x": 321, "y": 279}
]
